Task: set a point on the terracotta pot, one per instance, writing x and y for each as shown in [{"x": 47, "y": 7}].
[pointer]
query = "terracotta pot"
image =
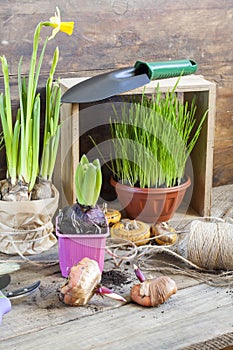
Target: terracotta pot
[{"x": 150, "y": 204}]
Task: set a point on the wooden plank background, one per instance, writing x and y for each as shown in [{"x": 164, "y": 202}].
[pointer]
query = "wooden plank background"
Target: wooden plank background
[{"x": 111, "y": 34}]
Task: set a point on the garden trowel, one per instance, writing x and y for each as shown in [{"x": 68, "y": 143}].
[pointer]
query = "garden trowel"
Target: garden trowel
[{"x": 122, "y": 80}]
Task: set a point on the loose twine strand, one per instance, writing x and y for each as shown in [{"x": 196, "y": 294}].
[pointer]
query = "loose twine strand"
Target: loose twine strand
[{"x": 206, "y": 247}]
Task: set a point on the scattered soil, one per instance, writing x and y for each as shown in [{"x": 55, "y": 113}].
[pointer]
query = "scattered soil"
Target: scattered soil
[{"x": 115, "y": 278}]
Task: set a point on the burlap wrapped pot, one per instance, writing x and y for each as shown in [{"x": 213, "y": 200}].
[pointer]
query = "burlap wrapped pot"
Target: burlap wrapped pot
[{"x": 26, "y": 227}]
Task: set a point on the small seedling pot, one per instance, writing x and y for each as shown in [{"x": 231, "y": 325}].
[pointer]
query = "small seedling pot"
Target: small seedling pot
[{"x": 74, "y": 247}]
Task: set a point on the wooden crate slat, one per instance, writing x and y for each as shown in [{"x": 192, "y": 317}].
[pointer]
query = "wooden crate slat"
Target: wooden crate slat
[{"x": 201, "y": 157}]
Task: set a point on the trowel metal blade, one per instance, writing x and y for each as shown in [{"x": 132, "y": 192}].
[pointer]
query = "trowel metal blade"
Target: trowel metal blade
[{"x": 105, "y": 85}]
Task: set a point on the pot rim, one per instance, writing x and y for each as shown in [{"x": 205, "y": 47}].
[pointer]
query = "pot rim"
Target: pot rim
[{"x": 127, "y": 188}]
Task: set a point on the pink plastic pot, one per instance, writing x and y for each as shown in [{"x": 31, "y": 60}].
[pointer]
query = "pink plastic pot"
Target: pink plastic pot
[{"x": 73, "y": 248}]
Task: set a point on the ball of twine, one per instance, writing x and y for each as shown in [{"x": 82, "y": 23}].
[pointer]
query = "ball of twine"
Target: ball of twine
[{"x": 209, "y": 244}]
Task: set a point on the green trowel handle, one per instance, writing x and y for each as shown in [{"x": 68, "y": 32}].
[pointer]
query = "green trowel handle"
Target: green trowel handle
[{"x": 167, "y": 69}]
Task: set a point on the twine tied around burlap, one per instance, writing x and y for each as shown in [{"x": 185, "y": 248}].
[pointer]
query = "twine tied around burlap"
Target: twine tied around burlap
[{"x": 26, "y": 227}]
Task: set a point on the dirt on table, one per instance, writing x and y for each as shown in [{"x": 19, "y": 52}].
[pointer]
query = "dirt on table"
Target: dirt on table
[
  {"x": 120, "y": 281},
  {"x": 115, "y": 278}
]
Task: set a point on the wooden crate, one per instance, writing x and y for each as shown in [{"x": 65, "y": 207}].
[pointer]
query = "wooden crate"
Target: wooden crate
[{"x": 201, "y": 158}]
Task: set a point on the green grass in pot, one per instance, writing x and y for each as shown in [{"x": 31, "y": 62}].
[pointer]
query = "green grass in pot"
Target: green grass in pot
[
  {"x": 85, "y": 216},
  {"x": 152, "y": 139}
]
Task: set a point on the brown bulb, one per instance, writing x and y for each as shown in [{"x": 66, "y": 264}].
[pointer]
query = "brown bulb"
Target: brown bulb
[
  {"x": 153, "y": 292},
  {"x": 82, "y": 281}
]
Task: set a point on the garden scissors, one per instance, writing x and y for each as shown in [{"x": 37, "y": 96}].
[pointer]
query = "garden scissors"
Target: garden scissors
[{"x": 5, "y": 304}]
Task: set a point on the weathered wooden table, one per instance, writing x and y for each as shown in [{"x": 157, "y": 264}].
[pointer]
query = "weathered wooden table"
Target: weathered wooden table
[{"x": 199, "y": 316}]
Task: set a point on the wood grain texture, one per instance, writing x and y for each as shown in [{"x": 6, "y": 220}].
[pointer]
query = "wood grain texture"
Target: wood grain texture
[
  {"x": 173, "y": 325},
  {"x": 196, "y": 313},
  {"x": 93, "y": 120},
  {"x": 114, "y": 34}
]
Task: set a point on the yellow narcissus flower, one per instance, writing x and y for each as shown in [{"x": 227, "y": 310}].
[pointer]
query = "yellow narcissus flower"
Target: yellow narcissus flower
[
  {"x": 65, "y": 27},
  {"x": 21, "y": 137}
]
